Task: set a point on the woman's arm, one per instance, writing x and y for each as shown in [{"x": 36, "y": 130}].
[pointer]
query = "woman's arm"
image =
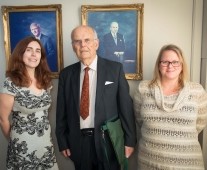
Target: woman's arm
[{"x": 6, "y": 104}]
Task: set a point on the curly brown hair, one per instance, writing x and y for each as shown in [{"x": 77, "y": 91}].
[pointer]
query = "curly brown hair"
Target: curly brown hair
[{"x": 17, "y": 71}]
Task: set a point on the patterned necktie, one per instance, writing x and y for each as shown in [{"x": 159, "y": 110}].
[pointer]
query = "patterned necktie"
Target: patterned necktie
[
  {"x": 84, "y": 103},
  {"x": 115, "y": 38}
]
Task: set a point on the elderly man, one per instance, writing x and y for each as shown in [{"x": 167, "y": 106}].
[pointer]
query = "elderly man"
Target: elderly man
[{"x": 78, "y": 129}]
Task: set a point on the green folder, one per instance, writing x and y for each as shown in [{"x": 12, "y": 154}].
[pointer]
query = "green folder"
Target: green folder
[{"x": 115, "y": 132}]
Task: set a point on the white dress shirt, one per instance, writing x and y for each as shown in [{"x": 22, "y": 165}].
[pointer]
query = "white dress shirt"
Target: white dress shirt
[
  {"x": 89, "y": 121},
  {"x": 115, "y": 38}
]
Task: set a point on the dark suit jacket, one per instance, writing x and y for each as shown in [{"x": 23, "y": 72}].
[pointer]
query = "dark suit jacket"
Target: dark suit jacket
[
  {"x": 111, "y": 100},
  {"x": 110, "y": 46},
  {"x": 50, "y": 50}
]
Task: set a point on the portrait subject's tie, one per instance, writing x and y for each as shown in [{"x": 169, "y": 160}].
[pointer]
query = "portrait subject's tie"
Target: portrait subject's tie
[
  {"x": 115, "y": 38},
  {"x": 84, "y": 103}
]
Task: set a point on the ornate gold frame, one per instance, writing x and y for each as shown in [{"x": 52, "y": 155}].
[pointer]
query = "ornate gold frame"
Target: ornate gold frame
[
  {"x": 56, "y": 8},
  {"x": 139, "y": 8}
]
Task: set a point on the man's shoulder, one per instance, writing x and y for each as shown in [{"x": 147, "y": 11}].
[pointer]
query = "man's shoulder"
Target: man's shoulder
[
  {"x": 43, "y": 36},
  {"x": 70, "y": 68},
  {"x": 109, "y": 63},
  {"x": 107, "y": 34},
  {"x": 119, "y": 35}
]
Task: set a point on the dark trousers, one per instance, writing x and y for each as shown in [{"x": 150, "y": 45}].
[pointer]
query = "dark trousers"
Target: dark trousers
[{"x": 89, "y": 159}]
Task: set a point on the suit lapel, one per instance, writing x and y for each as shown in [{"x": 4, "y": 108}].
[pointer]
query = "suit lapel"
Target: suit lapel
[
  {"x": 75, "y": 81},
  {"x": 112, "y": 39},
  {"x": 101, "y": 74}
]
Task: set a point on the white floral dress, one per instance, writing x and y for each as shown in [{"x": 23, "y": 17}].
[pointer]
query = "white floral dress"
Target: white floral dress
[{"x": 30, "y": 145}]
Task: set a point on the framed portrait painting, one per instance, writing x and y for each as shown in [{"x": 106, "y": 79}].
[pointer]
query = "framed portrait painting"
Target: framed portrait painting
[
  {"x": 120, "y": 33},
  {"x": 43, "y": 22}
]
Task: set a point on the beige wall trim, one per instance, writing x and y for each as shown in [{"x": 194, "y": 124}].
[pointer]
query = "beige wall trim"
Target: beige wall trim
[
  {"x": 196, "y": 40},
  {"x": 204, "y": 70}
]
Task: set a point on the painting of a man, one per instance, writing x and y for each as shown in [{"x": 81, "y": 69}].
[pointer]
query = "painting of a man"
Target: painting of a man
[
  {"x": 114, "y": 44},
  {"x": 117, "y": 33},
  {"x": 48, "y": 45}
]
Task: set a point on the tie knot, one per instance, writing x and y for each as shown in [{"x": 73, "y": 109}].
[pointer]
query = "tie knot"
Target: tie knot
[{"x": 86, "y": 69}]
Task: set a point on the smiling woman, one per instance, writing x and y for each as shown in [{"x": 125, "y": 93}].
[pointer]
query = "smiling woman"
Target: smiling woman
[
  {"x": 43, "y": 22},
  {"x": 32, "y": 56},
  {"x": 171, "y": 112},
  {"x": 26, "y": 96},
  {"x": 17, "y": 66}
]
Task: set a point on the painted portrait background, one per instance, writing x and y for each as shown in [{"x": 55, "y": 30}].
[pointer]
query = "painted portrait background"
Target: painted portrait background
[
  {"x": 127, "y": 26},
  {"x": 19, "y": 23}
]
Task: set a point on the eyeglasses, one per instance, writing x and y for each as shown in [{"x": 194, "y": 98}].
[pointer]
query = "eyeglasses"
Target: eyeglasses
[
  {"x": 87, "y": 41},
  {"x": 167, "y": 63}
]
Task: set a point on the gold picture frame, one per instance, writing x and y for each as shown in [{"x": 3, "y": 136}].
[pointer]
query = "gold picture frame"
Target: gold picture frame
[
  {"x": 129, "y": 20},
  {"x": 17, "y": 21}
]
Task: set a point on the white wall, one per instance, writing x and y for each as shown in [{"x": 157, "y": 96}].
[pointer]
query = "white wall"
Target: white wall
[
  {"x": 204, "y": 70},
  {"x": 165, "y": 21}
]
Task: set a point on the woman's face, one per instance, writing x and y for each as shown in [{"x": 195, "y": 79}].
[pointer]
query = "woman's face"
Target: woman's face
[
  {"x": 170, "y": 65},
  {"x": 32, "y": 55}
]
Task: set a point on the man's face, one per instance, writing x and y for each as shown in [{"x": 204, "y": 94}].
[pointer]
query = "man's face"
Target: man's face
[
  {"x": 35, "y": 30},
  {"x": 114, "y": 28},
  {"x": 84, "y": 44}
]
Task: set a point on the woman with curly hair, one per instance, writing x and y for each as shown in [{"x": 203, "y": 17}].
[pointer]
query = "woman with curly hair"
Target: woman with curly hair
[{"x": 25, "y": 97}]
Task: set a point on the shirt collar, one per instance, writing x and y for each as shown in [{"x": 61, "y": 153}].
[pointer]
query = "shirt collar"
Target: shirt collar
[
  {"x": 114, "y": 34},
  {"x": 38, "y": 37},
  {"x": 92, "y": 66}
]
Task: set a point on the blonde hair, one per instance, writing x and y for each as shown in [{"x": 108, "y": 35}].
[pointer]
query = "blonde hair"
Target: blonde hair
[{"x": 183, "y": 74}]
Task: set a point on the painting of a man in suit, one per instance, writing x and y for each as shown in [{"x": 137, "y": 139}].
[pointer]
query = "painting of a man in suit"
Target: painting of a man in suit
[
  {"x": 48, "y": 45},
  {"x": 114, "y": 44}
]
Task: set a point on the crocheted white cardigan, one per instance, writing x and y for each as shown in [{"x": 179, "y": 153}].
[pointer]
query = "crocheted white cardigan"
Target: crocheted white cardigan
[{"x": 170, "y": 126}]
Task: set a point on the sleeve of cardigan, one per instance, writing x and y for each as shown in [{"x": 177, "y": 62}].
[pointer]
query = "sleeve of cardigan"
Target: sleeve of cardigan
[
  {"x": 202, "y": 110},
  {"x": 137, "y": 99}
]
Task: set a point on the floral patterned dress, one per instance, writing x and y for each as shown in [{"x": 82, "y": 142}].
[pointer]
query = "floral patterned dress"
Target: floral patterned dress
[{"x": 30, "y": 145}]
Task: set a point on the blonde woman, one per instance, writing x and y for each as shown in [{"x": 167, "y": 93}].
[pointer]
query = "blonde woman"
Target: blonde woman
[{"x": 171, "y": 112}]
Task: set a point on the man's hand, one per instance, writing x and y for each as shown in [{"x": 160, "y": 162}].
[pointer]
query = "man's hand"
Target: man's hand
[
  {"x": 128, "y": 151},
  {"x": 121, "y": 53},
  {"x": 118, "y": 54},
  {"x": 66, "y": 153}
]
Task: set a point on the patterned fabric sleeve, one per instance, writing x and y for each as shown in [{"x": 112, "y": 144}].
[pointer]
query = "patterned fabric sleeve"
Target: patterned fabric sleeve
[
  {"x": 49, "y": 89},
  {"x": 202, "y": 109},
  {"x": 137, "y": 105},
  {"x": 9, "y": 88}
]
